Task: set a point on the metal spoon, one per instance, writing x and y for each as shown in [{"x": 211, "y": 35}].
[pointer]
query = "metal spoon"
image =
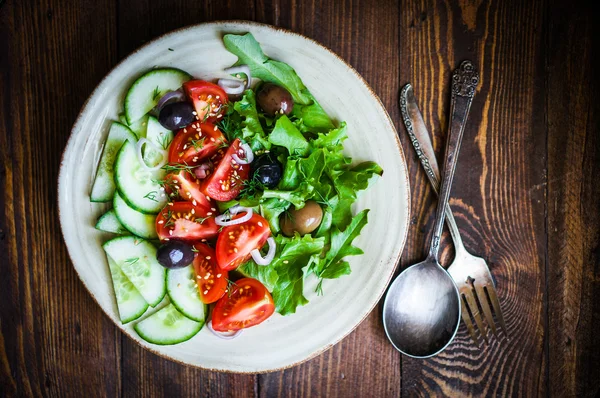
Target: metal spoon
[{"x": 421, "y": 312}]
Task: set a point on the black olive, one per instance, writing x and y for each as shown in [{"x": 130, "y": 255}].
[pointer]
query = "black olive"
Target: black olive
[
  {"x": 274, "y": 99},
  {"x": 175, "y": 254},
  {"x": 267, "y": 170},
  {"x": 177, "y": 115}
]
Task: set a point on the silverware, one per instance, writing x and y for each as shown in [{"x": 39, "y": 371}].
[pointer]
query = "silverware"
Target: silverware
[
  {"x": 470, "y": 273},
  {"x": 422, "y": 309}
]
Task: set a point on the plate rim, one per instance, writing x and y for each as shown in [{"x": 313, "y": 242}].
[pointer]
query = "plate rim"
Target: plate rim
[{"x": 241, "y": 23}]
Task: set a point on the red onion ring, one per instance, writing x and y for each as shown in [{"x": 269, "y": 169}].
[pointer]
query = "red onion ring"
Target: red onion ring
[
  {"x": 258, "y": 259},
  {"x": 140, "y": 156},
  {"x": 247, "y": 151},
  {"x": 231, "y": 86},
  {"x": 225, "y": 220},
  {"x": 171, "y": 96},
  {"x": 245, "y": 69},
  {"x": 224, "y": 335}
]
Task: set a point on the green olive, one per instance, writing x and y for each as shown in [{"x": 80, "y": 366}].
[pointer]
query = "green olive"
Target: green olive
[{"x": 303, "y": 221}]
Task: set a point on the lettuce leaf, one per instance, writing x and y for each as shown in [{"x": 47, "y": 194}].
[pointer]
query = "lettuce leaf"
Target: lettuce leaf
[{"x": 285, "y": 134}]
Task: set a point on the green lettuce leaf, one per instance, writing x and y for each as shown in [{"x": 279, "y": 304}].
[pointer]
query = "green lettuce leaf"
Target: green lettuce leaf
[
  {"x": 285, "y": 134},
  {"x": 251, "y": 129}
]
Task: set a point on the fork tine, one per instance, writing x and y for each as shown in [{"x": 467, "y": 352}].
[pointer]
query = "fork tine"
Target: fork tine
[
  {"x": 467, "y": 320},
  {"x": 485, "y": 306},
  {"x": 496, "y": 304},
  {"x": 468, "y": 294}
]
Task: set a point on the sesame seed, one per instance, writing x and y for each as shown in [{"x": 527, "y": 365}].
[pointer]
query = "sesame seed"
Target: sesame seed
[
  {"x": 194, "y": 113},
  {"x": 162, "y": 189},
  {"x": 285, "y": 261},
  {"x": 213, "y": 209},
  {"x": 212, "y": 139},
  {"x": 193, "y": 211},
  {"x": 185, "y": 146},
  {"x": 235, "y": 250},
  {"x": 166, "y": 239},
  {"x": 209, "y": 96},
  {"x": 161, "y": 222},
  {"x": 207, "y": 257},
  {"x": 209, "y": 213},
  {"x": 216, "y": 128},
  {"x": 220, "y": 116},
  {"x": 207, "y": 276},
  {"x": 170, "y": 204},
  {"x": 218, "y": 275},
  {"x": 217, "y": 97},
  {"x": 171, "y": 232},
  {"x": 184, "y": 130},
  {"x": 206, "y": 292},
  {"x": 194, "y": 202},
  {"x": 260, "y": 224},
  {"x": 233, "y": 161},
  {"x": 207, "y": 197},
  {"x": 198, "y": 277}
]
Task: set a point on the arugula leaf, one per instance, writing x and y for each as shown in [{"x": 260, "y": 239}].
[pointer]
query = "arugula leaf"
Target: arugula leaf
[
  {"x": 251, "y": 129},
  {"x": 267, "y": 275},
  {"x": 332, "y": 266},
  {"x": 249, "y": 53},
  {"x": 287, "y": 135}
]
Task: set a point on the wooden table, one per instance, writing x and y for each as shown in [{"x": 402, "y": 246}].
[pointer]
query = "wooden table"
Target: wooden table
[{"x": 526, "y": 194}]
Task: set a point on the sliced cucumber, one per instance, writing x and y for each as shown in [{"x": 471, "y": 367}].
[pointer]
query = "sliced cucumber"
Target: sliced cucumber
[
  {"x": 183, "y": 292},
  {"x": 108, "y": 222},
  {"x": 137, "y": 186},
  {"x": 149, "y": 88},
  {"x": 159, "y": 136},
  {"x": 138, "y": 127},
  {"x": 104, "y": 184},
  {"x": 136, "y": 222},
  {"x": 167, "y": 326},
  {"x": 137, "y": 259},
  {"x": 130, "y": 302}
]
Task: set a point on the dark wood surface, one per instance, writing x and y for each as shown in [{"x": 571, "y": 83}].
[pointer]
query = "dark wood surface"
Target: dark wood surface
[{"x": 525, "y": 196}]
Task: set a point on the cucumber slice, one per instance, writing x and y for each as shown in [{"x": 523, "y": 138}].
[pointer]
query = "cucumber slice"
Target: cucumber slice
[
  {"x": 136, "y": 185},
  {"x": 104, "y": 184},
  {"x": 108, "y": 222},
  {"x": 183, "y": 292},
  {"x": 130, "y": 302},
  {"x": 149, "y": 88},
  {"x": 137, "y": 259},
  {"x": 138, "y": 127},
  {"x": 137, "y": 223},
  {"x": 159, "y": 136},
  {"x": 167, "y": 326}
]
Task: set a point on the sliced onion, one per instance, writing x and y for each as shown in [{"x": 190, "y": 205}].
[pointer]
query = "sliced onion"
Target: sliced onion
[
  {"x": 171, "y": 96},
  {"x": 140, "y": 156},
  {"x": 248, "y": 152},
  {"x": 245, "y": 69},
  {"x": 231, "y": 86},
  {"x": 224, "y": 335},
  {"x": 226, "y": 220},
  {"x": 258, "y": 259}
]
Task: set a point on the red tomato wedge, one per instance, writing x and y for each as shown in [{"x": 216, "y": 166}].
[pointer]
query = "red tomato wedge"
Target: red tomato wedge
[
  {"x": 195, "y": 143},
  {"x": 208, "y": 98},
  {"x": 235, "y": 242},
  {"x": 185, "y": 185},
  {"x": 184, "y": 221},
  {"x": 248, "y": 304},
  {"x": 227, "y": 180},
  {"x": 211, "y": 280}
]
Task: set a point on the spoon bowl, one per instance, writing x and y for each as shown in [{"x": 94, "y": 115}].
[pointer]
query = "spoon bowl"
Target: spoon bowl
[{"x": 421, "y": 312}]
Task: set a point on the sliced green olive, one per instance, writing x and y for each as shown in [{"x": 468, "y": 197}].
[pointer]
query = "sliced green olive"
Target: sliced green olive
[{"x": 303, "y": 221}]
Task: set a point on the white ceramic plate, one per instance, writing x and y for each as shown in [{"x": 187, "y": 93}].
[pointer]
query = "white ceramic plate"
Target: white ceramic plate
[{"x": 279, "y": 342}]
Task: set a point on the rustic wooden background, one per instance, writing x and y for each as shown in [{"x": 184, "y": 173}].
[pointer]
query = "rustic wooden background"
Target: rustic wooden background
[{"x": 526, "y": 192}]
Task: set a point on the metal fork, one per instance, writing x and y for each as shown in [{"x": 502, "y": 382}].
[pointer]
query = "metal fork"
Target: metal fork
[{"x": 470, "y": 273}]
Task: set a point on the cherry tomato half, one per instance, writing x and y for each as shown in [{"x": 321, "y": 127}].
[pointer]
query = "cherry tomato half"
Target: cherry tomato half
[
  {"x": 248, "y": 304},
  {"x": 195, "y": 143},
  {"x": 208, "y": 98},
  {"x": 185, "y": 185},
  {"x": 226, "y": 182},
  {"x": 211, "y": 280},
  {"x": 235, "y": 242},
  {"x": 184, "y": 221}
]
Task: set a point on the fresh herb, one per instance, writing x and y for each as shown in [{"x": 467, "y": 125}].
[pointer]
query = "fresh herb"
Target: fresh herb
[
  {"x": 230, "y": 287},
  {"x": 319, "y": 288},
  {"x": 206, "y": 111},
  {"x": 252, "y": 189},
  {"x": 164, "y": 141},
  {"x": 175, "y": 167},
  {"x": 200, "y": 220},
  {"x": 152, "y": 196},
  {"x": 195, "y": 250},
  {"x": 156, "y": 93},
  {"x": 131, "y": 261},
  {"x": 170, "y": 49},
  {"x": 198, "y": 144}
]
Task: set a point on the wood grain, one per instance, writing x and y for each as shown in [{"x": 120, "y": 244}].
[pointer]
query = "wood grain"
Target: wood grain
[
  {"x": 502, "y": 156},
  {"x": 53, "y": 334},
  {"x": 573, "y": 201},
  {"x": 525, "y": 195}
]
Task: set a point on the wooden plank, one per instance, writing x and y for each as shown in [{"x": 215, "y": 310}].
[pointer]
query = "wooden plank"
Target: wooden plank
[
  {"x": 573, "y": 204},
  {"x": 502, "y": 161},
  {"x": 143, "y": 373},
  {"x": 366, "y": 36},
  {"x": 53, "y": 337}
]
